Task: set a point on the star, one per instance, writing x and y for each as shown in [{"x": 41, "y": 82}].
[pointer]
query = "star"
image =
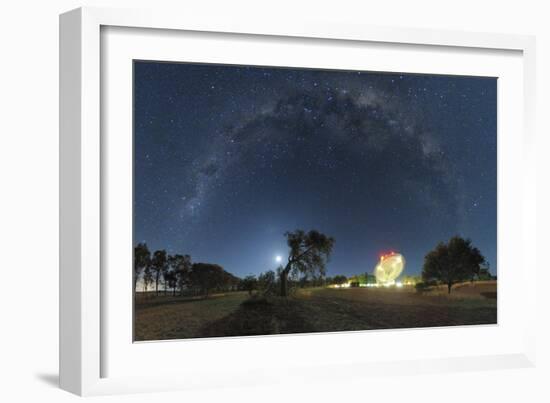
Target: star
[{"x": 344, "y": 152}]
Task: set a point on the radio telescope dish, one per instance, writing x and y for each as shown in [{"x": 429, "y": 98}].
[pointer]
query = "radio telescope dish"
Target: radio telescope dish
[{"x": 389, "y": 268}]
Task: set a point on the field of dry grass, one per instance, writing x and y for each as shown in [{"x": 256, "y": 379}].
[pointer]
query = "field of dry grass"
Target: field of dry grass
[
  {"x": 315, "y": 310},
  {"x": 162, "y": 318}
]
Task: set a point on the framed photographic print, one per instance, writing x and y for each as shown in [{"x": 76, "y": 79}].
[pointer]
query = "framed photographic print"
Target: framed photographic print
[
  {"x": 261, "y": 193},
  {"x": 274, "y": 200}
]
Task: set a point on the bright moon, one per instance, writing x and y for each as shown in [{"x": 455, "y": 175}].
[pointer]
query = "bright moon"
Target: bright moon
[{"x": 278, "y": 259}]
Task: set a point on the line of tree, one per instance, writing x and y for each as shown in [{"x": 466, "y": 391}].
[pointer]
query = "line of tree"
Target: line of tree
[
  {"x": 178, "y": 273},
  {"x": 358, "y": 279},
  {"x": 308, "y": 254},
  {"x": 265, "y": 283},
  {"x": 453, "y": 262},
  {"x": 449, "y": 263}
]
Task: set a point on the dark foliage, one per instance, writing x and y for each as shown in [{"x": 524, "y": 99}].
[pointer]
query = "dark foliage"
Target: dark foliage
[
  {"x": 249, "y": 283},
  {"x": 309, "y": 253},
  {"x": 142, "y": 260},
  {"x": 159, "y": 264},
  {"x": 180, "y": 267},
  {"x": 208, "y": 277},
  {"x": 339, "y": 279},
  {"x": 452, "y": 262}
]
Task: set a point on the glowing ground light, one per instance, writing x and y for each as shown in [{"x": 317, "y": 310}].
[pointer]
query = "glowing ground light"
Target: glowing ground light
[{"x": 389, "y": 268}]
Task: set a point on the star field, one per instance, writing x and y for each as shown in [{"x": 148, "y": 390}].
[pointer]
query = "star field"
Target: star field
[{"x": 228, "y": 158}]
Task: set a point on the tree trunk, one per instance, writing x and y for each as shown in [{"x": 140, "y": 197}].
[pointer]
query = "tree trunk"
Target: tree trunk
[
  {"x": 283, "y": 283},
  {"x": 284, "y": 280},
  {"x": 449, "y": 285}
]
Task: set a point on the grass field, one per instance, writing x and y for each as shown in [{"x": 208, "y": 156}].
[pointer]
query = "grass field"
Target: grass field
[{"x": 314, "y": 310}]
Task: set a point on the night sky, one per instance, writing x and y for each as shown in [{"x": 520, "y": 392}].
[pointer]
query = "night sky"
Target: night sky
[{"x": 228, "y": 158}]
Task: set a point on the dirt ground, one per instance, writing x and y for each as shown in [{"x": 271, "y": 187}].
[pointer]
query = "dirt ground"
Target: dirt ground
[{"x": 315, "y": 310}]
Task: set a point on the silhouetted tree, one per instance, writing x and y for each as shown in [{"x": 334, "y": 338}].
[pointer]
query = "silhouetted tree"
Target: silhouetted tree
[
  {"x": 166, "y": 274},
  {"x": 159, "y": 264},
  {"x": 303, "y": 282},
  {"x": 452, "y": 262},
  {"x": 181, "y": 266},
  {"x": 339, "y": 279},
  {"x": 249, "y": 283},
  {"x": 308, "y": 254},
  {"x": 206, "y": 276},
  {"x": 267, "y": 282},
  {"x": 142, "y": 259},
  {"x": 230, "y": 282},
  {"x": 171, "y": 279},
  {"x": 147, "y": 277},
  {"x": 357, "y": 280},
  {"x": 371, "y": 278}
]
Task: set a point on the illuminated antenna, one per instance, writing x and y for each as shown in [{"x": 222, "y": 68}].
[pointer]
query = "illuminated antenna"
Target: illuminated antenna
[{"x": 391, "y": 265}]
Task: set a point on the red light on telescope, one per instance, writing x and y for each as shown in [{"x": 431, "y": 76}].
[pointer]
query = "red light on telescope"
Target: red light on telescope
[{"x": 384, "y": 256}]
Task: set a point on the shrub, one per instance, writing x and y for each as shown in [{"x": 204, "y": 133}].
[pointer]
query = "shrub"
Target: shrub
[{"x": 421, "y": 287}]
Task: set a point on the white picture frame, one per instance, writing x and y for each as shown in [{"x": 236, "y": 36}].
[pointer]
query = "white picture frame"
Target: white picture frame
[{"x": 85, "y": 344}]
